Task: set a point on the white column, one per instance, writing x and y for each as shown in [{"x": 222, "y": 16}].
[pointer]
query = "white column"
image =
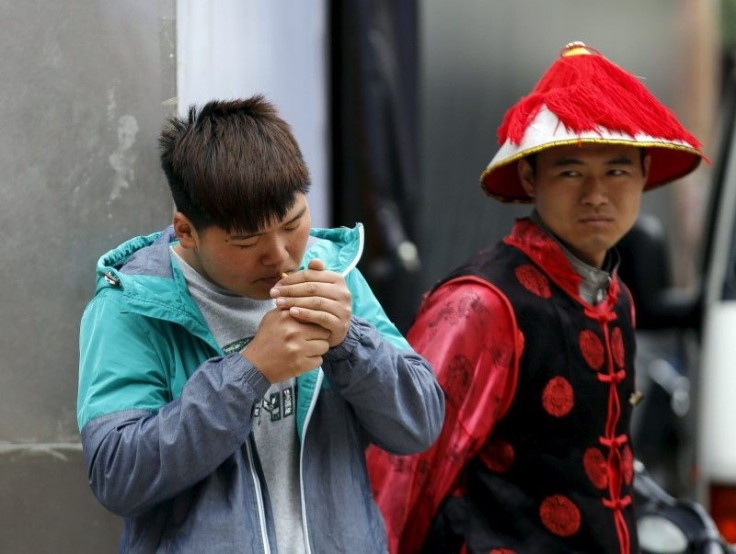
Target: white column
[{"x": 237, "y": 48}]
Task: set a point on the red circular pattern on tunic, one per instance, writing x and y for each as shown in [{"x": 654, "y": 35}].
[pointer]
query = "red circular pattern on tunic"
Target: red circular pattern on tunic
[
  {"x": 596, "y": 467},
  {"x": 533, "y": 280},
  {"x": 498, "y": 455},
  {"x": 627, "y": 464},
  {"x": 557, "y": 397},
  {"x": 591, "y": 348},
  {"x": 617, "y": 347},
  {"x": 560, "y": 515}
]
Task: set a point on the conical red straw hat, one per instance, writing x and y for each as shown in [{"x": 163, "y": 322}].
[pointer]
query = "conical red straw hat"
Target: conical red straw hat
[{"x": 585, "y": 98}]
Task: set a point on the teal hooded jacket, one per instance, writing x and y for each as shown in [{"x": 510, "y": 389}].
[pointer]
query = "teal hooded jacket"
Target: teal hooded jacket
[{"x": 165, "y": 415}]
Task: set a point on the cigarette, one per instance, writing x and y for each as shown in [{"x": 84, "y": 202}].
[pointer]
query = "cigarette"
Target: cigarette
[{"x": 284, "y": 275}]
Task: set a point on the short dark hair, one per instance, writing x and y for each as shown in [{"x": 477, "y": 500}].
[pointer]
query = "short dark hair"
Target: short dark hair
[{"x": 233, "y": 164}]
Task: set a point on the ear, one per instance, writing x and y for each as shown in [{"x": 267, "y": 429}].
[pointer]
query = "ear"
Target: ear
[
  {"x": 525, "y": 171},
  {"x": 185, "y": 231},
  {"x": 646, "y": 165}
]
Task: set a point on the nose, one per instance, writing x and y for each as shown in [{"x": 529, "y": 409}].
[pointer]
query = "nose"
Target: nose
[
  {"x": 276, "y": 252},
  {"x": 594, "y": 191}
]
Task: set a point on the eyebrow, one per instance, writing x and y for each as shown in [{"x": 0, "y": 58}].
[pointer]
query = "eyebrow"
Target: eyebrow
[
  {"x": 567, "y": 161},
  {"x": 292, "y": 220},
  {"x": 621, "y": 160}
]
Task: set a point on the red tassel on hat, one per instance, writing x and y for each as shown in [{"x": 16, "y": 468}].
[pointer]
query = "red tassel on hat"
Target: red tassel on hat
[{"x": 586, "y": 91}]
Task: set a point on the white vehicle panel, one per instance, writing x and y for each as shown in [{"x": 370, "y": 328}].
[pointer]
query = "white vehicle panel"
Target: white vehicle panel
[{"x": 717, "y": 442}]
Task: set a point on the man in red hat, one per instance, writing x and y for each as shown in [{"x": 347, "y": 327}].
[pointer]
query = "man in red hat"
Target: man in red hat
[{"x": 533, "y": 339}]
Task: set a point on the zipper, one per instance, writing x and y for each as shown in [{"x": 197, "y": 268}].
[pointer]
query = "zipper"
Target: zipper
[
  {"x": 259, "y": 498},
  {"x": 312, "y": 404},
  {"x": 358, "y": 254}
]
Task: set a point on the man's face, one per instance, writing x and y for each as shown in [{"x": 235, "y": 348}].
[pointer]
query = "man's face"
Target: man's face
[
  {"x": 247, "y": 264},
  {"x": 587, "y": 195}
]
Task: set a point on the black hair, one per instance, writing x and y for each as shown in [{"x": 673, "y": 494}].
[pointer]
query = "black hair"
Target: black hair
[{"x": 233, "y": 164}]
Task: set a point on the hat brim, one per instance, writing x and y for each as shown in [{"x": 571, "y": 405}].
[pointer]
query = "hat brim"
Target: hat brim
[{"x": 671, "y": 160}]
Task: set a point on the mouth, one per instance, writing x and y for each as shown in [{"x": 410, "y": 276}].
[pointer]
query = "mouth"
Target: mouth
[
  {"x": 595, "y": 220},
  {"x": 272, "y": 279}
]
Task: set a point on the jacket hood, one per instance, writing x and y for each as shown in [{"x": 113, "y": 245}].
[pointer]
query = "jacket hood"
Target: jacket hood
[
  {"x": 340, "y": 248},
  {"x": 142, "y": 262}
]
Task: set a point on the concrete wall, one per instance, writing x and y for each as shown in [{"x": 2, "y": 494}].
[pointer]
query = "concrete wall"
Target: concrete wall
[
  {"x": 83, "y": 85},
  {"x": 84, "y": 89}
]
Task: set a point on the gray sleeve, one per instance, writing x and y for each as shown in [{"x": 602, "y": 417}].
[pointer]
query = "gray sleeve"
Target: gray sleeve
[
  {"x": 137, "y": 458},
  {"x": 393, "y": 391}
]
